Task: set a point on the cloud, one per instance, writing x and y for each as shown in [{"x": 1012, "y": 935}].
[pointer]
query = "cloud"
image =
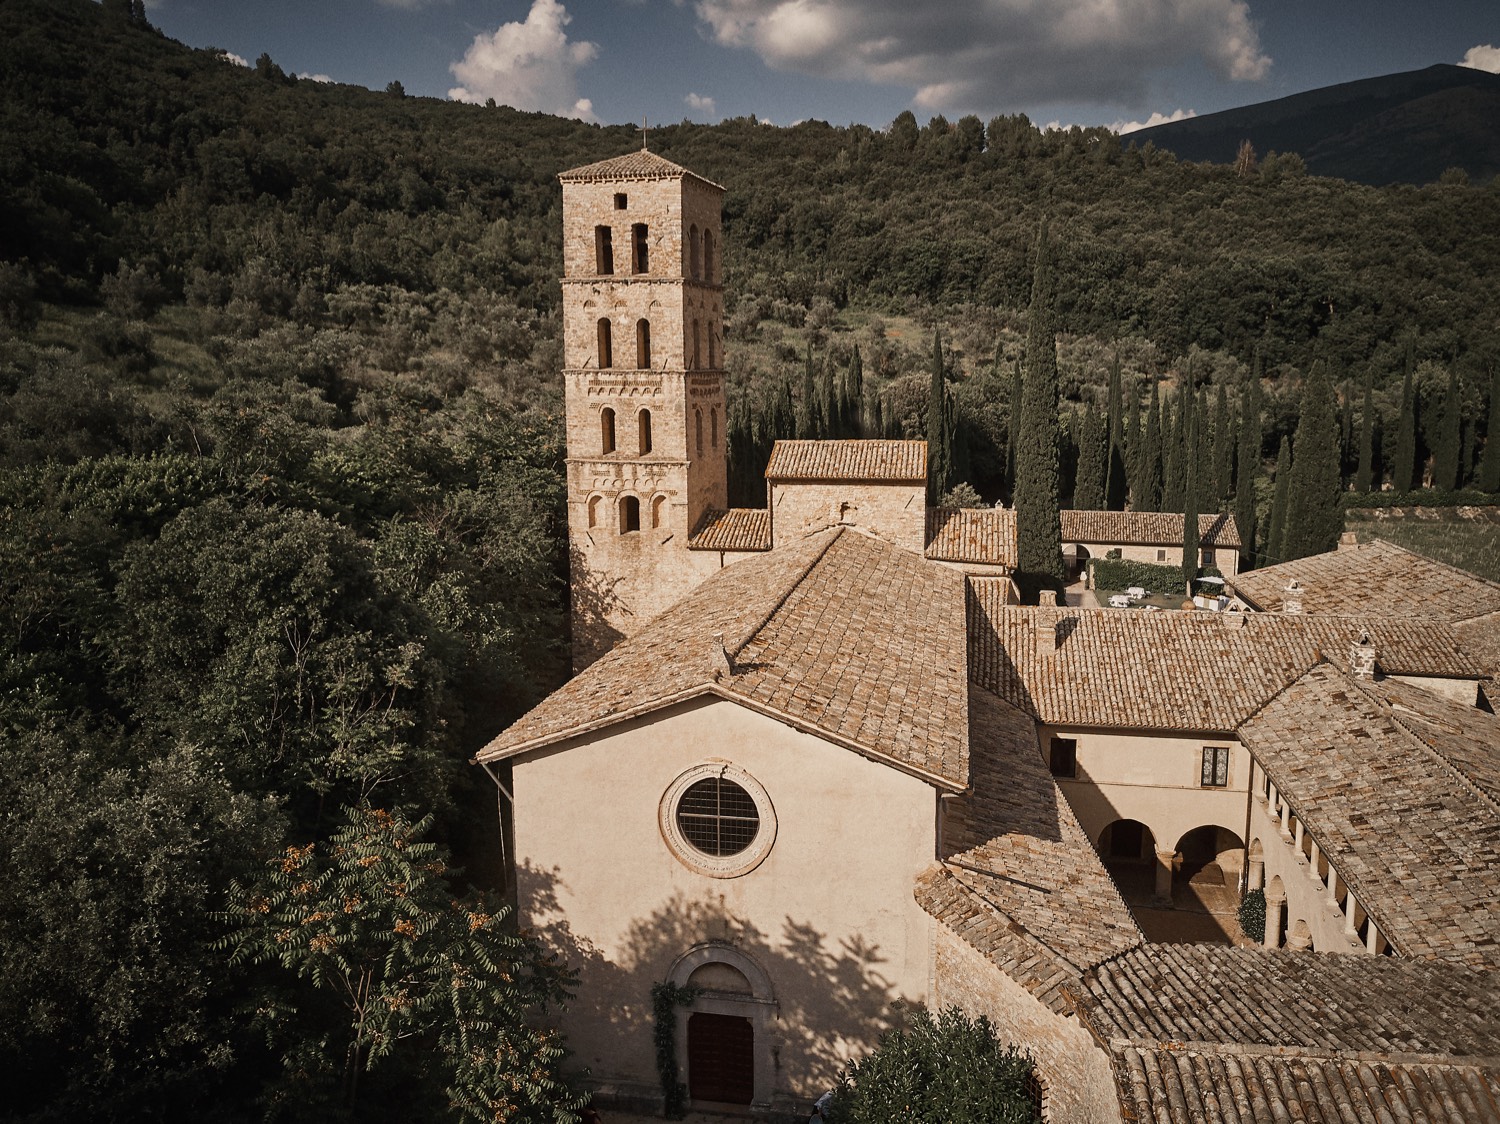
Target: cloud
[
  {"x": 529, "y": 65},
  {"x": 699, "y": 104},
  {"x": 236, "y": 59},
  {"x": 1482, "y": 58},
  {"x": 316, "y": 77},
  {"x": 987, "y": 56},
  {"x": 1123, "y": 127}
]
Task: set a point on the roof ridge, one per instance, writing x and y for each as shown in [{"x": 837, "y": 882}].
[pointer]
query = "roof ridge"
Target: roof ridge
[{"x": 785, "y": 592}]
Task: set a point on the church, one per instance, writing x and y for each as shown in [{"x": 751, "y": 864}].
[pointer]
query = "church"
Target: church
[{"x": 817, "y": 766}]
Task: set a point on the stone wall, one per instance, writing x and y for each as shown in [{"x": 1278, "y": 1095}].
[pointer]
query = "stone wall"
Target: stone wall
[
  {"x": 1077, "y": 1081},
  {"x": 896, "y": 512}
]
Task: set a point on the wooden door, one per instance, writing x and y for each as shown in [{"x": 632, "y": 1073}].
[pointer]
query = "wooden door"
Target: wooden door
[{"x": 721, "y": 1058}]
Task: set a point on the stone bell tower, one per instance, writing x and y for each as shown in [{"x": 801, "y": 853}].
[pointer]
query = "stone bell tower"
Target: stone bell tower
[{"x": 643, "y": 353}]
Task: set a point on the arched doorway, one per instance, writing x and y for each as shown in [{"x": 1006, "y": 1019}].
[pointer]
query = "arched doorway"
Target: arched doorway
[
  {"x": 1128, "y": 849},
  {"x": 1206, "y": 882},
  {"x": 724, "y": 1038}
]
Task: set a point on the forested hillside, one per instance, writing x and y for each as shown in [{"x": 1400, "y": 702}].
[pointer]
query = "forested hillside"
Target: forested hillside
[{"x": 281, "y": 530}]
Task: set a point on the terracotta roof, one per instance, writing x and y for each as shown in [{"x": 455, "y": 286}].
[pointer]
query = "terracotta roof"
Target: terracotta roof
[
  {"x": 640, "y": 165},
  {"x": 848, "y": 460},
  {"x": 1480, "y": 637},
  {"x": 1175, "y": 670},
  {"x": 976, "y": 535},
  {"x": 739, "y": 528},
  {"x": 1213, "y": 1035},
  {"x": 1014, "y": 843},
  {"x": 1146, "y": 528},
  {"x": 806, "y": 643},
  {"x": 1412, "y": 824},
  {"x": 1377, "y": 579}
]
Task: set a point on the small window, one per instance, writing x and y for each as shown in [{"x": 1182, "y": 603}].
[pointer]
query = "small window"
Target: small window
[
  {"x": 1063, "y": 758},
  {"x": 713, "y": 428},
  {"x": 658, "y": 511},
  {"x": 712, "y": 360},
  {"x": 606, "y": 348},
  {"x": 630, "y": 514},
  {"x": 697, "y": 340},
  {"x": 640, "y": 261},
  {"x": 1208, "y": 556},
  {"x": 594, "y": 512},
  {"x": 643, "y": 424},
  {"x": 718, "y": 817},
  {"x": 1215, "y": 766},
  {"x": 620, "y": 201},
  {"x": 643, "y": 345},
  {"x": 695, "y": 262},
  {"x": 604, "y": 249},
  {"x": 1161, "y": 555},
  {"x": 607, "y": 430}
]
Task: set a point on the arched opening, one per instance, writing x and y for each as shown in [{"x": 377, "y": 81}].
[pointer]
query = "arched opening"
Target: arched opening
[
  {"x": 640, "y": 260},
  {"x": 1206, "y": 883},
  {"x": 1127, "y": 842},
  {"x": 713, "y": 363},
  {"x": 708, "y": 256},
  {"x": 607, "y": 430},
  {"x": 697, "y": 339},
  {"x": 695, "y": 263},
  {"x": 658, "y": 512},
  {"x": 594, "y": 511},
  {"x": 713, "y": 427},
  {"x": 606, "y": 348},
  {"x": 604, "y": 250},
  {"x": 698, "y": 428},
  {"x": 643, "y": 345},
  {"x": 725, "y": 1035},
  {"x": 643, "y": 428},
  {"x": 630, "y": 514}
]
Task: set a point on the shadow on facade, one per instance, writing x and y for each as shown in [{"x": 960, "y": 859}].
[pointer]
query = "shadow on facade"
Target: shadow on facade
[{"x": 595, "y": 601}]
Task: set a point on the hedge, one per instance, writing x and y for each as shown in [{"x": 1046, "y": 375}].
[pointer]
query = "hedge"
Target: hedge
[
  {"x": 1117, "y": 573},
  {"x": 1422, "y": 497}
]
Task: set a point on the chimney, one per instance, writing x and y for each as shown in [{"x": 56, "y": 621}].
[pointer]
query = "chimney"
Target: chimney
[
  {"x": 1362, "y": 657},
  {"x": 1232, "y": 618},
  {"x": 1047, "y": 634},
  {"x": 718, "y": 659},
  {"x": 1348, "y": 541},
  {"x": 1291, "y": 597}
]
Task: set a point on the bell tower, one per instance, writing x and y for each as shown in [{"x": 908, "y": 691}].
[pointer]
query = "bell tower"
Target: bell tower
[{"x": 643, "y": 353}]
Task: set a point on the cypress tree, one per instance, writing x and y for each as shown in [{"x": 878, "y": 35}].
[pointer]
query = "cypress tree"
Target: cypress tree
[
  {"x": 1489, "y": 465},
  {"x": 854, "y": 396},
  {"x": 1151, "y": 460},
  {"x": 828, "y": 411},
  {"x": 1276, "y": 532},
  {"x": 1446, "y": 455},
  {"x": 1093, "y": 462},
  {"x": 1403, "y": 461},
  {"x": 1314, "y": 517},
  {"x": 807, "y": 409},
  {"x": 1223, "y": 448},
  {"x": 1347, "y": 452},
  {"x": 1364, "y": 478},
  {"x": 1013, "y": 434},
  {"x": 1190, "y": 507},
  {"x": 939, "y": 431},
  {"x": 1038, "y": 528},
  {"x": 1174, "y": 436},
  {"x": 1249, "y": 466},
  {"x": 1131, "y": 444},
  {"x": 1116, "y": 483}
]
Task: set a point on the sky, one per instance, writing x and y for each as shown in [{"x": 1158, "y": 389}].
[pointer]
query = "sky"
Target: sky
[{"x": 1118, "y": 63}]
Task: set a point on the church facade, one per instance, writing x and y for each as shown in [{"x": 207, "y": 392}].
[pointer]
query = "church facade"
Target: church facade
[{"x": 818, "y": 766}]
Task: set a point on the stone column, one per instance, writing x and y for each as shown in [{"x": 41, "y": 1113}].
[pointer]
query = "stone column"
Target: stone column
[
  {"x": 1372, "y": 938},
  {"x": 1297, "y": 839},
  {"x": 1165, "y": 862},
  {"x": 1275, "y": 910},
  {"x": 1257, "y": 875},
  {"x": 1351, "y": 930},
  {"x": 1312, "y": 865},
  {"x": 1286, "y": 821},
  {"x": 1299, "y": 938}
]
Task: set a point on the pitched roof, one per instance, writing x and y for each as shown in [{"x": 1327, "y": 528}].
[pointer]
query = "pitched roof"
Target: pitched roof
[
  {"x": 640, "y": 165},
  {"x": 904, "y": 461},
  {"x": 1146, "y": 528},
  {"x": 1174, "y": 670},
  {"x": 1409, "y": 818},
  {"x": 1378, "y": 579},
  {"x": 1203, "y": 1033},
  {"x": 975, "y": 535},
  {"x": 739, "y": 528},
  {"x": 807, "y": 644}
]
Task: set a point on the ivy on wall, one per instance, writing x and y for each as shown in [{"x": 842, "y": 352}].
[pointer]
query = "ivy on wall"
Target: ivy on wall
[{"x": 665, "y": 999}]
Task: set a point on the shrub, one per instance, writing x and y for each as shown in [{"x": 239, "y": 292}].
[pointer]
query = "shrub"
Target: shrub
[
  {"x": 944, "y": 1070},
  {"x": 1422, "y": 497},
  {"x": 1253, "y": 915},
  {"x": 1114, "y": 573}
]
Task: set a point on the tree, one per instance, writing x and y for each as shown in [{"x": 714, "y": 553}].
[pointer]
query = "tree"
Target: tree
[
  {"x": 1248, "y": 465},
  {"x": 1038, "y": 524},
  {"x": 1013, "y": 433},
  {"x": 1174, "y": 440},
  {"x": 1445, "y": 462},
  {"x": 1404, "y": 459},
  {"x": 1364, "y": 478},
  {"x": 947, "y": 1069},
  {"x": 807, "y": 403},
  {"x": 1489, "y": 466},
  {"x": 940, "y": 476},
  {"x": 1093, "y": 460},
  {"x": 1223, "y": 448},
  {"x": 1276, "y": 531},
  {"x": 1116, "y": 485},
  {"x": 395, "y": 88},
  {"x": 393, "y": 970},
  {"x": 1190, "y": 507},
  {"x": 1314, "y": 518},
  {"x": 1150, "y": 473},
  {"x": 1244, "y": 160}
]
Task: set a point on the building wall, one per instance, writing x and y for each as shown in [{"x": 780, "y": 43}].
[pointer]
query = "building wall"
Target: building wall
[
  {"x": 1153, "y": 779},
  {"x": 1227, "y": 561},
  {"x": 894, "y": 512},
  {"x": 1078, "y": 1083},
  {"x": 829, "y": 914},
  {"x": 1464, "y": 691}
]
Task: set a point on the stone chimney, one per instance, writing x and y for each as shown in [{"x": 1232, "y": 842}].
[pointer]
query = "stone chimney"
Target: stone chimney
[
  {"x": 1291, "y": 597},
  {"x": 1362, "y": 657},
  {"x": 1232, "y": 618},
  {"x": 1348, "y": 541},
  {"x": 719, "y": 664},
  {"x": 1048, "y": 635}
]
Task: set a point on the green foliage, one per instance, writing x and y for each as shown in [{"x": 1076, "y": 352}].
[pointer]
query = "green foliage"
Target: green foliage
[
  {"x": 1313, "y": 519},
  {"x": 1276, "y": 531},
  {"x": 1423, "y": 497},
  {"x": 947, "y": 1069},
  {"x": 1489, "y": 467},
  {"x": 393, "y": 971},
  {"x": 1248, "y": 466},
  {"x": 1118, "y": 574},
  {"x": 1403, "y": 460},
  {"x": 1447, "y": 447},
  {"x": 1191, "y": 477},
  {"x": 1093, "y": 462},
  {"x": 1038, "y": 526},
  {"x": 1253, "y": 915},
  {"x": 940, "y": 425},
  {"x": 1364, "y": 478},
  {"x": 665, "y": 999}
]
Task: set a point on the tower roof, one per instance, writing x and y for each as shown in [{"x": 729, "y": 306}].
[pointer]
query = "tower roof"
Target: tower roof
[{"x": 641, "y": 165}]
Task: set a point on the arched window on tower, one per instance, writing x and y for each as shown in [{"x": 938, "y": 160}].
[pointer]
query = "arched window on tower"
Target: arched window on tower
[
  {"x": 630, "y": 514},
  {"x": 643, "y": 345},
  {"x": 713, "y": 364},
  {"x": 604, "y": 249},
  {"x": 643, "y": 423},
  {"x": 695, "y": 262},
  {"x": 708, "y": 256},
  {"x": 697, "y": 340},
  {"x": 698, "y": 428},
  {"x": 594, "y": 511},
  {"x": 658, "y": 512},
  {"x": 713, "y": 427},
  {"x": 640, "y": 253},
  {"x": 606, "y": 351},
  {"x": 607, "y": 430}
]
